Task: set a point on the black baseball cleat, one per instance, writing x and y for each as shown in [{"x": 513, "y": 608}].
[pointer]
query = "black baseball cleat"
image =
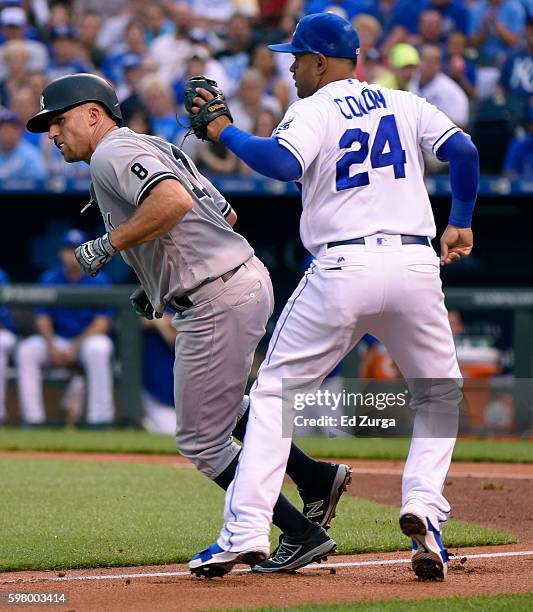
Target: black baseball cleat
[
  {"x": 333, "y": 479},
  {"x": 294, "y": 552}
]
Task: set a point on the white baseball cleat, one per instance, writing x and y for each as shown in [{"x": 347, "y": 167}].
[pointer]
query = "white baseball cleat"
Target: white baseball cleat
[
  {"x": 430, "y": 557},
  {"x": 214, "y": 561}
]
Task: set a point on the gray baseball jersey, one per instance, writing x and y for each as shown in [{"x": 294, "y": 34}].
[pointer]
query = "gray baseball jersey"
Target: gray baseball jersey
[{"x": 125, "y": 166}]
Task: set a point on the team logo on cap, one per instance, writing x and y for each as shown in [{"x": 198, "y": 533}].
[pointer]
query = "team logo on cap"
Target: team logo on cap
[{"x": 41, "y": 102}]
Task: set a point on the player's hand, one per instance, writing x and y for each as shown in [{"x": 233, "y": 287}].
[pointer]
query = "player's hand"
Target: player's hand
[
  {"x": 142, "y": 306},
  {"x": 94, "y": 254},
  {"x": 60, "y": 358},
  {"x": 455, "y": 244},
  {"x": 207, "y": 109}
]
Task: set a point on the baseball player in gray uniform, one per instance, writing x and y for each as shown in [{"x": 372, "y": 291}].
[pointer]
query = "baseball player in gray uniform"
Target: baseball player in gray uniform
[{"x": 171, "y": 226}]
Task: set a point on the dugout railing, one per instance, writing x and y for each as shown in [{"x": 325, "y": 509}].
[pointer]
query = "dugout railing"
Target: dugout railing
[{"x": 128, "y": 331}]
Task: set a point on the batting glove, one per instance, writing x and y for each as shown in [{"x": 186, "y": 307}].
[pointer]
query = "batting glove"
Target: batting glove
[
  {"x": 142, "y": 306},
  {"x": 93, "y": 255}
]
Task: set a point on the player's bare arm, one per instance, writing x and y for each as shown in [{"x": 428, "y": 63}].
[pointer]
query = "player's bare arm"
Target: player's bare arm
[
  {"x": 163, "y": 208},
  {"x": 99, "y": 325},
  {"x": 160, "y": 211}
]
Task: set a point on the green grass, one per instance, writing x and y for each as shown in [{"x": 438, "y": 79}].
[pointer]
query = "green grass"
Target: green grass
[
  {"x": 499, "y": 603},
  {"x": 58, "y": 514},
  {"x": 516, "y": 451}
]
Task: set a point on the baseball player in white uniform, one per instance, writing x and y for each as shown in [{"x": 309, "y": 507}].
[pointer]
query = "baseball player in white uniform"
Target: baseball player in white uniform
[
  {"x": 356, "y": 150},
  {"x": 170, "y": 225}
]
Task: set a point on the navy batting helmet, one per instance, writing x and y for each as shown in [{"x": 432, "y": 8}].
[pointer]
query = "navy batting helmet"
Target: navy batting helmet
[
  {"x": 72, "y": 90},
  {"x": 324, "y": 33}
]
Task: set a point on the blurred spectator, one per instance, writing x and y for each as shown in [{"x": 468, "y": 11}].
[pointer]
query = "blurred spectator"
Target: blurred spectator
[
  {"x": 496, "y": 27},
  {"x": 139, "y": 121},
  {"x": 200, "y": 61},
  {"x": 132, "y": 74},
  {"x": 403, "y": 61},
  {"x": 67, "y": 53},
  {"x": 251, "y": 99},
  {"x": 170, "y": 51},
  {"x": 88, "y": 27},
  {"x": 210, "y": 14},
  {"x": 439, "y": 89},
  {"x": 67, "y": 336},
  {"x": 16, "y": 58},
  {"x": 265, "y": 123},
  {"x": 346, "y": 8},
  {"x": 458, "y": 65},
  {"x": 403, "y": 19},
  {"x": 133, "y": 44},
  {"x": 477, "y": 359},
  {"x": 213, "y": 158},
  {"x": 114, "y": 26},
  {"x": 60, "y": 15},
  {"x": 376, "y": 362},
  {"x": 235, "y": 56},
  {"x": 516, "y": 82},
  {"x": 39, "y": 12},
  {"x": 275, "y": 86},
  {"x": 26, "y": 105},
  {"x": 156, "y": 21},
  {"x": 369, "y": 30},
  {"x": 518, "y": 162},
  {"x": 13, "y": 22},
  {"x": 430, "y": 30},
  {"x": 7, "y": 342},
  {"x": 374, "y": 71},
  {"x": 158, "y": 99},
  {"x": 18, "y": 158},
  {"x": 37, "y": 82},
  {"x": 106, "y": 8},
  {"x": 158, "y": 369}
]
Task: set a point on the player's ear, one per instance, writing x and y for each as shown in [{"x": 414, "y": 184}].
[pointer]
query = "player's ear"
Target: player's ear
[
  {"x": 321, "y": 63},
  {"x": 95, "y": 113}
]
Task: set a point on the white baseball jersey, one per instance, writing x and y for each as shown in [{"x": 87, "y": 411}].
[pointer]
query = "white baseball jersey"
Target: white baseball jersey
[{"x": 360, "y": 147}]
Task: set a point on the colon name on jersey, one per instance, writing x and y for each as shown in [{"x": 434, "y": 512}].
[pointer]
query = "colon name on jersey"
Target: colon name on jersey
[{"x": 360, "y": 148}]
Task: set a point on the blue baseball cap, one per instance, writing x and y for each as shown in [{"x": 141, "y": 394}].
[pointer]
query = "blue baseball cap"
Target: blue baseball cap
[
  {"x": 63, "y": 30},
  {"x": 8, "y": 116},
  {"x": 324, "y": 33},
  {"x": 131, "y": 60},
  {"x": 73, "y": 238}
]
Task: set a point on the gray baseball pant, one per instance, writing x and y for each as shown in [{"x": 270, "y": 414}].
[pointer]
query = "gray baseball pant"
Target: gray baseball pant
[{"x": 215, "y": 347}]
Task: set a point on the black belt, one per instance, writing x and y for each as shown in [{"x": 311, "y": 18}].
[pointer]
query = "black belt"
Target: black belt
[
  {"x": 405, "y": 240},
  {"x": 179, "y": 304}
]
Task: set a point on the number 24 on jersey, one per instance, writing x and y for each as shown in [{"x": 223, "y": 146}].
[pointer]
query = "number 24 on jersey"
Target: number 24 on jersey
[{"x": 387, "y": 137}]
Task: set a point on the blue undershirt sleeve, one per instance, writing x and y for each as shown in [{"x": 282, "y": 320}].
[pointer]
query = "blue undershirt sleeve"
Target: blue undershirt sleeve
[
  {"x": 462, "y": 154},
  {"x": 264, "y": 155}
]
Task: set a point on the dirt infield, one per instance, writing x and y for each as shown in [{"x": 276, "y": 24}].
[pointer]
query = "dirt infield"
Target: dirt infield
[{"x": 498, "y": 495}]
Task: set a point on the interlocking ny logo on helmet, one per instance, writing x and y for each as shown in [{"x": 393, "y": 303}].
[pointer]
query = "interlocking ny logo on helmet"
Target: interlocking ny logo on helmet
[
  {"x": 72, "y": 90},
  {"x": 325, "y": 33}
]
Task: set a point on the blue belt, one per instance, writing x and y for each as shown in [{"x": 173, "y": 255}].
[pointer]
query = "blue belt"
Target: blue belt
[{"x": 405, "y": 240}]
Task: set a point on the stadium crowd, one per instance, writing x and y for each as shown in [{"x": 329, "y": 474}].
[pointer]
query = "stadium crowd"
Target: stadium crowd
[{"x": 471, "y": 58}]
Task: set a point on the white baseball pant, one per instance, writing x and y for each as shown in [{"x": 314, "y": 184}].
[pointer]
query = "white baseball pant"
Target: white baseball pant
[
  {"x": 95, "y": 356},
  {"x": 390, "y": 290},
  {"x": 7, "y": 342}
]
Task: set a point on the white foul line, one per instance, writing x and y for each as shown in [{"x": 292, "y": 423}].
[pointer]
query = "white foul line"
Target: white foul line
[{"x": 520, "y": 553}]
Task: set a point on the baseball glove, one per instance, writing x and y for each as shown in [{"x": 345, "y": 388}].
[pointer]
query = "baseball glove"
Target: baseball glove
[{"x": 210, "y": 110}]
